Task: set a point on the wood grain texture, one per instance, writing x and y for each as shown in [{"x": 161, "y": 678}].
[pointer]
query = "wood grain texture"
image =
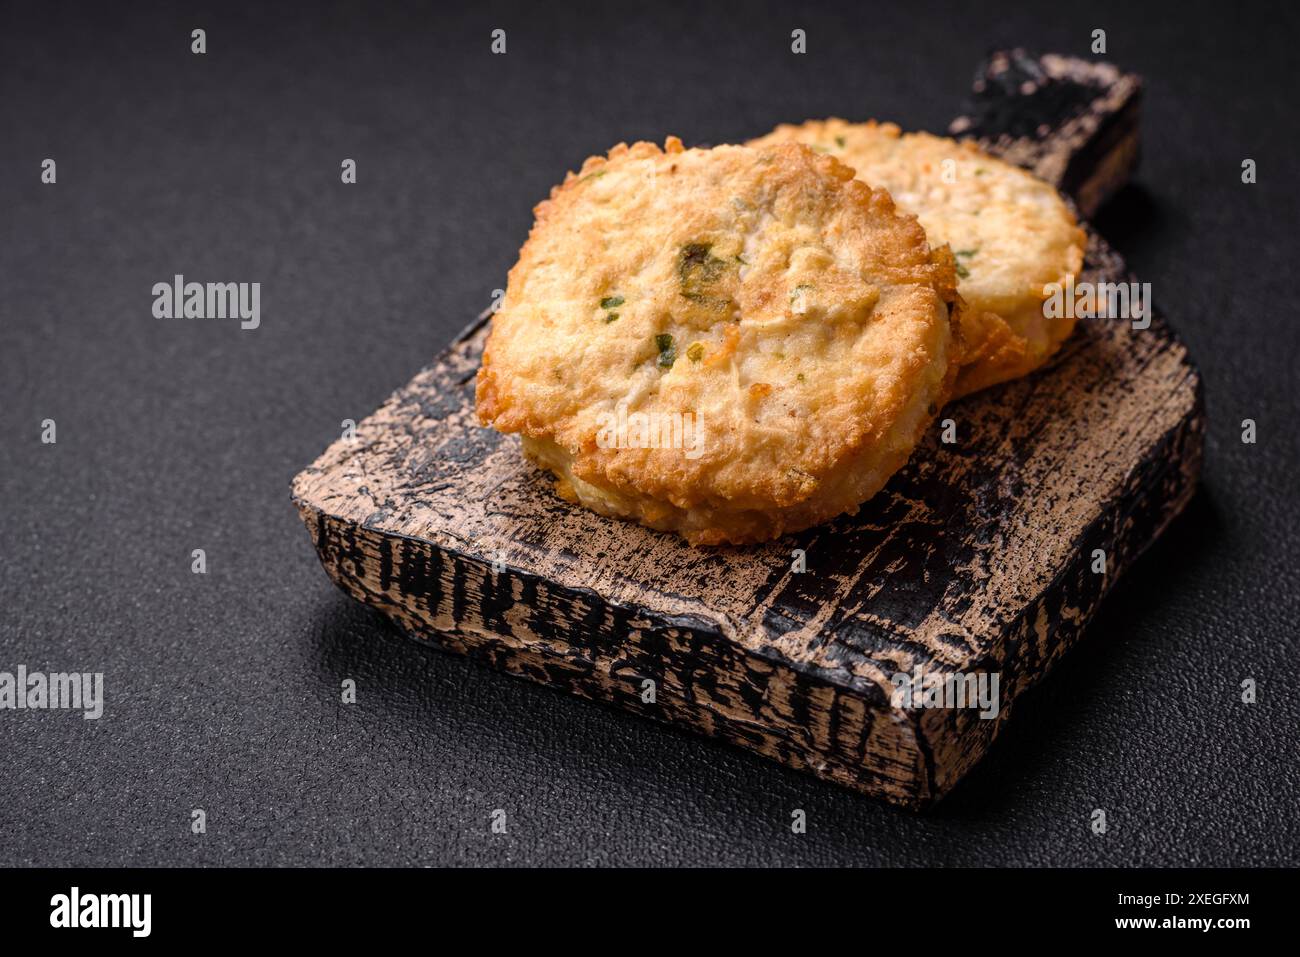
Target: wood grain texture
[
  {"x": 1072, "y": 122},
  {"x": 975, "y": 558}
]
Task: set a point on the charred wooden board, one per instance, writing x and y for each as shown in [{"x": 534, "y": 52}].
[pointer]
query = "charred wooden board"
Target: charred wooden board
[
  {"x": 977, "y": 557},
  {"x": 1072, "y": 122}
]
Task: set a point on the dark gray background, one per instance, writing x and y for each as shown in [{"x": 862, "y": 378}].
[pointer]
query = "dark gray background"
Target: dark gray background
[{"x": 222, "y": 689}]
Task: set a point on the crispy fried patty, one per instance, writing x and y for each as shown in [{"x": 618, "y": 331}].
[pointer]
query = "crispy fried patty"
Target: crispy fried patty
[
  {"x": 1010, "y": 232},
  {"x": 728, "y": 343}
]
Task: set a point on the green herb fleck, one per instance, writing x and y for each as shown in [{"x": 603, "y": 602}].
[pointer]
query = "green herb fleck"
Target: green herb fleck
[
  {"x": 592, "y": 175},
  {"x": 839, "y": 141},
  {"x": 697, "y": 270},
  {"x": 611, "y": 317},
  {"x": 696, "y": 352},
  {"x": 611, "y": 302},
  {"x": 698, "y": 265},
  {"x": 667, "y": 351},
  {"x": 962, "y": 271},
  {"x": 800, "y": 289}
]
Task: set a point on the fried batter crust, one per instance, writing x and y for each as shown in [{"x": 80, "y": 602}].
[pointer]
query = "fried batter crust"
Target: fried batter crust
[
  {"x": 1010, "y": 231},
  {"x": 789, "y": 308}
]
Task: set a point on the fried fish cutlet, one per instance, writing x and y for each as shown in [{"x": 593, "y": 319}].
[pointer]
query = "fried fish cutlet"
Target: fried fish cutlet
[
  {"x": 1010, "y": 232},
  {"x": 727, "y": 343}
]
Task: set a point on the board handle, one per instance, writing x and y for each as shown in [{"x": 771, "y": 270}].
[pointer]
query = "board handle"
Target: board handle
[{"x": 1070, "y": 121}]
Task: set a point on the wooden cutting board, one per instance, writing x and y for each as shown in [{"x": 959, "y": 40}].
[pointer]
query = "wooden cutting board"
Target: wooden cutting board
[{"x": 979, "y": 557}]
